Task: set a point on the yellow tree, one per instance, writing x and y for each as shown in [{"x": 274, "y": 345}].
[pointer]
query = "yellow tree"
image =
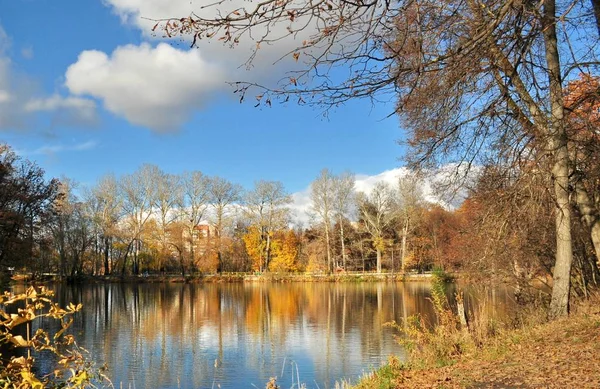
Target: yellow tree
[
  {"x": 255, "y": 246},
  {"x": 285, "y": 252}
]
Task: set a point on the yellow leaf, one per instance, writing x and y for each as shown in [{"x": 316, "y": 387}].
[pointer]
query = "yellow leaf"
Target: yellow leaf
[
  {"x": 79, "y": 379},
  {"x": 19, "y": 341},
  {"x": 31, "y": 380}
]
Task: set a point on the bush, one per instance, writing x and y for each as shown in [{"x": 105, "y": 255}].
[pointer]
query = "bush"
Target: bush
[{"x": 73, "y": 369}]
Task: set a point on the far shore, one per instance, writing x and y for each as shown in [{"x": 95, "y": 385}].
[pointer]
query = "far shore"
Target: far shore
[{"x": 231, "y": 277}]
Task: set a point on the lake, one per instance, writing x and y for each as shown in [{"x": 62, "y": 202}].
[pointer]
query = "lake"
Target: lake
[{"x": 237, "y": 335}]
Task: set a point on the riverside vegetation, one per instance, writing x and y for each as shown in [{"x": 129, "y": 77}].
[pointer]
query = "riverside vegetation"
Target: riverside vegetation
[{"x": 528, "y": 352}]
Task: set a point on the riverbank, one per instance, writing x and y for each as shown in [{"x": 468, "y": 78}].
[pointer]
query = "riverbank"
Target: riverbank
[
  {"x": 237, "y": 277},
  {"x": 560, "y": 354}
]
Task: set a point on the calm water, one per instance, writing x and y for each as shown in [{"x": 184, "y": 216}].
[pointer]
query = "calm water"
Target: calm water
[{"x": 239, "y": 335}]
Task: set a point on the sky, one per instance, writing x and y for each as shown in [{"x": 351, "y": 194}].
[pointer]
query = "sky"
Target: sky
[{"x": 86, "y": 89}]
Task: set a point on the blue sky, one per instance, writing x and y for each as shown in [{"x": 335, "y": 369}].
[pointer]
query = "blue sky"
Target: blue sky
[{"x": 86, "y": 90}]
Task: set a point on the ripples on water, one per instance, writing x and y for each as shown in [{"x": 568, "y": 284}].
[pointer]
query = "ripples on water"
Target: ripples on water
[{"x": 238, "y": 335}]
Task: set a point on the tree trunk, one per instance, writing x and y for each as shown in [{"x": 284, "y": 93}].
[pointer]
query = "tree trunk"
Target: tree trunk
[
  {"x": 403, "y": 255},
  {"x": 135, "y": 267},
  {"x": 378, "y": 261},
  {"x": 362, "y": 255},
  {"x": 596, "y": 5},
  {"x": 342, "y": 241},
  {"x": 219, "y": 228},
  {"x": 268, "y": 251},
  {"x": 181, "y": 262},
  {"x": 123, "y": 266},
  {"x": 559, "y": 305},
  {"x": 589, "y": 215},
  {"x": 328, "y": 246},
  {"x": 106, "y": 247}
]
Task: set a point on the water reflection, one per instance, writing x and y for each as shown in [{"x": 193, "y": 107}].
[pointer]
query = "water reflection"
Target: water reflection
[{"x": 237, "y": 335}]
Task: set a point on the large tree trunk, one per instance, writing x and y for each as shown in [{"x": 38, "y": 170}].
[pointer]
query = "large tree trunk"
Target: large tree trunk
[
  {"x": 378, "y": 261},
  {"x": 403, "y": 255},
  {"x": 596, "y": 6},
  {"x": 557, "y": 142},
  {"x": 589, "y": 215}
]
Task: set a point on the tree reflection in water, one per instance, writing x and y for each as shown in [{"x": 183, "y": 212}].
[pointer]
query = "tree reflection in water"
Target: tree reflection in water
[{"x": 236, "y": 335}]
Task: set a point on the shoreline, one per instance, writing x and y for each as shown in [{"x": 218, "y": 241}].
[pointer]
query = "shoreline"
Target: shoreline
[{"x": 233, "y": 278}]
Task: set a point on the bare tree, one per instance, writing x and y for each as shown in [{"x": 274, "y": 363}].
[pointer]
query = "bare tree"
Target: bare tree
[
  {"x": 71, "y": 229},
  {"x": 106, "y": 209},
  {"x": 322, "y": 196},
  {"x": 195, "y": 201},
  {"x": 410, "y": 202},
  {"x": 378, "y": 212},
  {"x": 64, "y": 209},
  {"x": 223, "y": 194},
  {"x": 137, "y": 191},
  {"x": 343, "y": 198},
  {"x": 166, "y": 195}
]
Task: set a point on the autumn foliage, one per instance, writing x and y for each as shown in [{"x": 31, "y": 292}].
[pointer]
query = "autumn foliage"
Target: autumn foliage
[{"x": 284, "y": 250}]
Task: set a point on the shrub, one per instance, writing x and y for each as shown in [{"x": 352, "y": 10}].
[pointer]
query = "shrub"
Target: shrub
[
  {"x": 73, "y": 369},
  {"x": 439, "y": 344}
]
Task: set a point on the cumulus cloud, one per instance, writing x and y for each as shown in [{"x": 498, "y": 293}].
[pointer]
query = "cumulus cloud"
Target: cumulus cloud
[
  {"x": 157, "y": 87},
  {"x": 139, "y": 12},
  {"x": 143, "y": 14}
]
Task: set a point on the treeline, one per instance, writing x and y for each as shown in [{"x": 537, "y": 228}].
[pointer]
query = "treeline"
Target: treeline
[{"x": 154, "y": 222}]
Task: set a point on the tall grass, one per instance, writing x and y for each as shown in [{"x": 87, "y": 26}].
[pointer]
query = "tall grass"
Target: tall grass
[{"x": 435, "y": 344}]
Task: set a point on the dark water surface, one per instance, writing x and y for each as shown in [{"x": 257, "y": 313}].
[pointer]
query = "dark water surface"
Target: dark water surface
[{"x": 238, "y": 335}]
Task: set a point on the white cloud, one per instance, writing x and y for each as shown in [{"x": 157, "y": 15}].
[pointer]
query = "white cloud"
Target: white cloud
[
  {"x": 157, "y": 87},
  {"x": 86, "y": 108},
  {"x": 4, "y": 96},
  {"x": 301, "y": 201},
  {"x": 59, "y": 148},
  {"x": 300, "y": 207},
  {"x": 138, "y": 12}
]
